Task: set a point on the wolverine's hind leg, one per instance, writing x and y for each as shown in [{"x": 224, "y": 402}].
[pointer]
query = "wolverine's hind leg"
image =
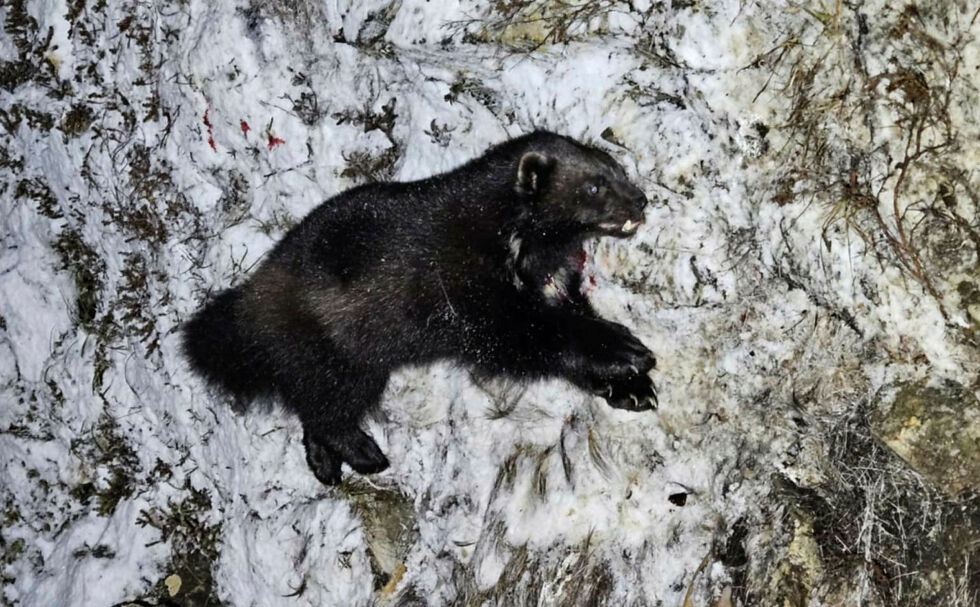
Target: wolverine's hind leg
[{"x": 331, "y": 402}]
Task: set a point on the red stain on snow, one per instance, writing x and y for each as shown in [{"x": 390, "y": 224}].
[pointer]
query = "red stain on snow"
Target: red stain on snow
[
  {"x": 207, "y": 123},
  {"x": 274, "y": 141},
  {"x": 581, "y": 258},
  {"x": 245, "y": 128}
]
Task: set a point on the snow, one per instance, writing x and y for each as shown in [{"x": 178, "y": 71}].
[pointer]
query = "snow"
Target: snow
[{"x": 699, "y": 284}]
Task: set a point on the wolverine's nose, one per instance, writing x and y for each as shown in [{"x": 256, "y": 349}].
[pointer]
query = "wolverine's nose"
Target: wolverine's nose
[{"x": 639, "y": 200}]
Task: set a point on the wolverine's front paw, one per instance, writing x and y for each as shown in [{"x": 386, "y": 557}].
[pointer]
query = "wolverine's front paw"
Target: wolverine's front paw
[
  {"x": 617, "y": 353},
  {"x": 634, "y": 393}
]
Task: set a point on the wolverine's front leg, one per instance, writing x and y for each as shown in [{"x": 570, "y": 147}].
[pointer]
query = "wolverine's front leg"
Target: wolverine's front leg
[{"x": 599, "y": 356}]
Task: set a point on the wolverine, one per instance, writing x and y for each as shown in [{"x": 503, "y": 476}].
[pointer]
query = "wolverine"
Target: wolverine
[{"x": 481, "y": 265}]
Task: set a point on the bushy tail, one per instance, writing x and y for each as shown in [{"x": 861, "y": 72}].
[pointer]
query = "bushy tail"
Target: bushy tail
[{"x": 219, "y": 350}]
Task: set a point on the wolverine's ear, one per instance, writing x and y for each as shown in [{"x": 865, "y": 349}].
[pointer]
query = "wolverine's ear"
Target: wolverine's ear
[{"x": 532, "y": 172}]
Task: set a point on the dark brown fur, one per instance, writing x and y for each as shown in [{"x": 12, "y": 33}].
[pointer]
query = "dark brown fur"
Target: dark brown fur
[{"x": 480, "y": 265}]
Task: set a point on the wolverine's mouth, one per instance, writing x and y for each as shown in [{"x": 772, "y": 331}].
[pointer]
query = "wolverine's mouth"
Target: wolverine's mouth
[{"x": 627, "y": 228}]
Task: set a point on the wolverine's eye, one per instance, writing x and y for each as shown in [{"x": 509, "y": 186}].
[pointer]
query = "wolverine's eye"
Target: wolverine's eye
[{"x": 595, "y": 184}]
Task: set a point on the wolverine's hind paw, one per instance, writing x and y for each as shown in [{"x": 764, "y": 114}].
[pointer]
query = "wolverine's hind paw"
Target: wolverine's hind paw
[
  {"x": 359, "y": 450},
  {"x": 323, "y": 462},
  {"x": 325, "y": 454}
]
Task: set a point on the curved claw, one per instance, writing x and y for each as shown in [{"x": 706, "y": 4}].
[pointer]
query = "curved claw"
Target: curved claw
[{"x": 633, "y": 393}]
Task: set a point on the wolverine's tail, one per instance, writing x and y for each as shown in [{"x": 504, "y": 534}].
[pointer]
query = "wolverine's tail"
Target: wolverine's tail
[{"x": 217, "y": 345}]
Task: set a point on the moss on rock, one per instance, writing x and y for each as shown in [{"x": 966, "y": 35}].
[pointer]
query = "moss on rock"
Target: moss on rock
[{"x": 935, "y": 428}]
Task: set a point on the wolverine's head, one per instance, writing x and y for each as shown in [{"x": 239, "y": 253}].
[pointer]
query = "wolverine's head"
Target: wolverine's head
[{"x": 576, "y": 188}]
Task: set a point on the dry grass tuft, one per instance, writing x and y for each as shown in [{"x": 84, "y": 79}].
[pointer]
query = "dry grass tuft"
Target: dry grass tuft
[
  {"x": 873, "y": 132},
  {"x": 883, "y": 533},
  {"x": 526, "y": 26}
]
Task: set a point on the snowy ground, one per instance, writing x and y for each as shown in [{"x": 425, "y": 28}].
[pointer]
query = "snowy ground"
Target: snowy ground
[{"x": 802, "y": 255}]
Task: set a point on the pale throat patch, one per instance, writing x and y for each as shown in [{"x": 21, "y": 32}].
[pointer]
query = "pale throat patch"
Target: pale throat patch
[
  {"x": 555, "y": 286},
  {"x": 514, "y": 248}
]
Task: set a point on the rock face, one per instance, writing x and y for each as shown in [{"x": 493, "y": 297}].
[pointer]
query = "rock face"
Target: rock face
[
  {"x": 935, "y": 427},
  {"x": 970, "y": 302},
  {"x": 793, "y": 582},
  {"x": 388, "y": 521}
]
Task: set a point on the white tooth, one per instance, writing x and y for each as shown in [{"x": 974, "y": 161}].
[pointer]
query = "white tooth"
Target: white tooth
[{"x": 629, "y": 226}]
